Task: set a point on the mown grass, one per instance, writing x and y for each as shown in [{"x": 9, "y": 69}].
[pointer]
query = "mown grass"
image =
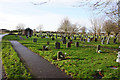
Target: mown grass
[
  {"x": 13, "y": 66},
  {"x": 81, "y": 62}
]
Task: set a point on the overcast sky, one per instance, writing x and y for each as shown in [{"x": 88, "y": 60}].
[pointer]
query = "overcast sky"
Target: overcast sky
[{"x": 13, "y": 12}]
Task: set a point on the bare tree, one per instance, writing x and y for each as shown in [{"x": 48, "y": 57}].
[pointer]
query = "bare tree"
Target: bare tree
[
  {"x": 40, "y": 28},
  {"x": 115, "y": 29},
  {"x": 83, "y": 29},
  {"x": 108, "y": 27},
  {"x": 65, "y": 25},
  {"x": 20, "y": 28}
]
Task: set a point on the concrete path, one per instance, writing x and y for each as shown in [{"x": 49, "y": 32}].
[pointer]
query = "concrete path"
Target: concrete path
[{"x": 39, "y": 67}]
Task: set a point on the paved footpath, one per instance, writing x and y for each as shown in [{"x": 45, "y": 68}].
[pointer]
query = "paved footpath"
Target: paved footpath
[{"x": 39, "y": 67}]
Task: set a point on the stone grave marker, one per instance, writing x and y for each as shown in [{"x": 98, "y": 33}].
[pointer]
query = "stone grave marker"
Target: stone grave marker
[
  {"x": 103, "y": 41},
  {"x": 70, "y": 41},
  {"x": 84, "y": 39},
  {"x": 35, "y": 40},
  {"x": 57, "y": 45},
  {"x": 95, "y": 39},
  {"x": 88, "y": 40},
  {"x": 118, "y": 57},
  {"x": 75, "y": 38},
  {"x": 81, "y": 39},
  {"x": 60, "y": 55},
  {"x": 108, "y": 41},
  {"x": 77, "y": 44},
  {"x": 37, "y": 35},
  {"x": 48, "y": 43},
  {"x": 53, "y": 38},
  {"x": 68, "y": 45},
  {"x": 43, "y": 48},
  {"x": 68, "y": 37},
  {"x": 64, "y": 41},
  {"x": 114, "y": 41},
  {"x": 98, "y": 48}
]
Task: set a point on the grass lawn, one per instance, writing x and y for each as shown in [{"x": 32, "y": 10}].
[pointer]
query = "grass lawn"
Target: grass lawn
[
  {"x": 81, "y": 62},
  {"x": 13, "y": 66}
]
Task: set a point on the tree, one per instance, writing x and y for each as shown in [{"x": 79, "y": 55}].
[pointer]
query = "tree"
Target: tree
[
  {"x": 83, "y": 29},
  {"x": 20, "y": 28},
  {"x": 108, "y": 26},
  {"x": 40, "y": 28},
  {"x": 65, "y": 26},
  {"x": 115, "y": 29}
]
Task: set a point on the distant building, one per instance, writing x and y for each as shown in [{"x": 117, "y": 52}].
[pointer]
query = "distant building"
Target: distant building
[
  {"x": 4, "y": 31},
  {"x": 28, "y": 32}
]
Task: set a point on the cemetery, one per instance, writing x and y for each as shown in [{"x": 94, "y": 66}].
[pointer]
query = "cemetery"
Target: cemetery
[{"x": 78, "y": 58}]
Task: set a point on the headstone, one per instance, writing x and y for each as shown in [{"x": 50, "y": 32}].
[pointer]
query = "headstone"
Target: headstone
[
  {"x": 70, "y": 41},
  {"x": 95, "y": 39},
  {"x": 57, "y": 45},
  {"x": 68, "y": 45},
  {"x": 118, "y": 57},
  {"x": 60, "y": 55},
  {"x": 114, "y": 41},
  {"x": 43, "y": 48},
  {"x": 16, "y": 35},
  {"x": 56, "y": 36},
  {"x": 35, "y": 40},
  {"x": 84, "y": 39},
  {"x": 81, "y": 39},
  {"x": 64, "y": 41},
  {"x": 37, "y": 35},
  {"x": 103, "y": 41},
  {"x": 88, "y": 40},
  {"x": 75, "y": 38},
  {"x": 68, "y": 37},
  {"x": 53, "y": 38},
  {"x": 108, "y": 41},
  {"x": 26, "y": 36},
  {"x": 98, "y": 48},
  {"x": 34, "y": 34},
  {"x": 48, "y": 43},
  {"x": 77, "y": 44}
]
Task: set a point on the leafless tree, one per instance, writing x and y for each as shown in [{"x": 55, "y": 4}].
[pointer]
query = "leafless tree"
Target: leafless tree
[
  {"x": 83, "y": 29},
  {"x": 65, "y": 26},
  {"x": 40, "y": 28},
  {"x": 20, "y": 28},
  {"x": 108, "y": 27}
]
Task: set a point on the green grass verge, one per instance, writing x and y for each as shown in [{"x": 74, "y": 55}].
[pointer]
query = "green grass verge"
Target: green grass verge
[{"x": 14, "y": 68}]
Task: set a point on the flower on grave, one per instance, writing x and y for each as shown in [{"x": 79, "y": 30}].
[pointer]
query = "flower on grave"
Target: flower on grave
[
  {"x": 65, "y": 53},
  {"x": 99, "y": 70},
  {"x": 99, "y": 51}
]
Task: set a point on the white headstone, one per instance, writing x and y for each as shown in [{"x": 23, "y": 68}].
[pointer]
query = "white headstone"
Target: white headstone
[{"x": 118, "y": 59}]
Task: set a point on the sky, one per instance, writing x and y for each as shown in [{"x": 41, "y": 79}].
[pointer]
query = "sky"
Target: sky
[{"x": 50, "y": 15}]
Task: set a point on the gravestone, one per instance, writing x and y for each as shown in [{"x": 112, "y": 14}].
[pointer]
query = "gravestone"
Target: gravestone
[
  {"x": 114, "y": 41},
  {"x": 68, "y": 37},
  {"x": 108, "y": 41},
  {"x": 43, "y": 48},
  {"x": 26, "y": 36},
  {"x": 75, "y": 38},
  {"x": 35, "y": 40},
  {"x": 16, "y": 35},
  {"x": 98, "y": 48},
  {"x": 53, "y": 38},
  {"x": 64, "y": 41},
  {"x": 77, "y": 44},
  {"x": 60, "y": 55},
  {"x": 70, "y": 41},
  {"x": 34, "y": 34},
  {"x": 48, "y": 43},
  {"x": 81, "y": 39},
  {"x": 57, "y": 45},
  {"x": 37, "y": 35},
  {"x": 56, "y": 36},
  {"x": 103, "y": 41},
  {"x": 68, "y": 45},
  {"x": 118, "y": 57},
  {"x": 95, "y": 39},
  {"x": 84, "y": 39},
  {"x": 88, "y": 40}
]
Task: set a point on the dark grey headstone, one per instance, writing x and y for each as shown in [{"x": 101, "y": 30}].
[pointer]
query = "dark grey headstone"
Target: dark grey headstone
[
  {"x": 77, "y": 44},
  {"x": 64, "y": 41},
  {"x": 48, "y": 43},
  {"x": 57, "y": 45},
  {"x": 114, "y": 41},
  {"x": 53, "y": 38},
  {"x": 35, "y": 40},
  {"x": 95, "y": 39},
  {"x": 68, "y": 45},
  {"x": 43, "y": 48}
]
